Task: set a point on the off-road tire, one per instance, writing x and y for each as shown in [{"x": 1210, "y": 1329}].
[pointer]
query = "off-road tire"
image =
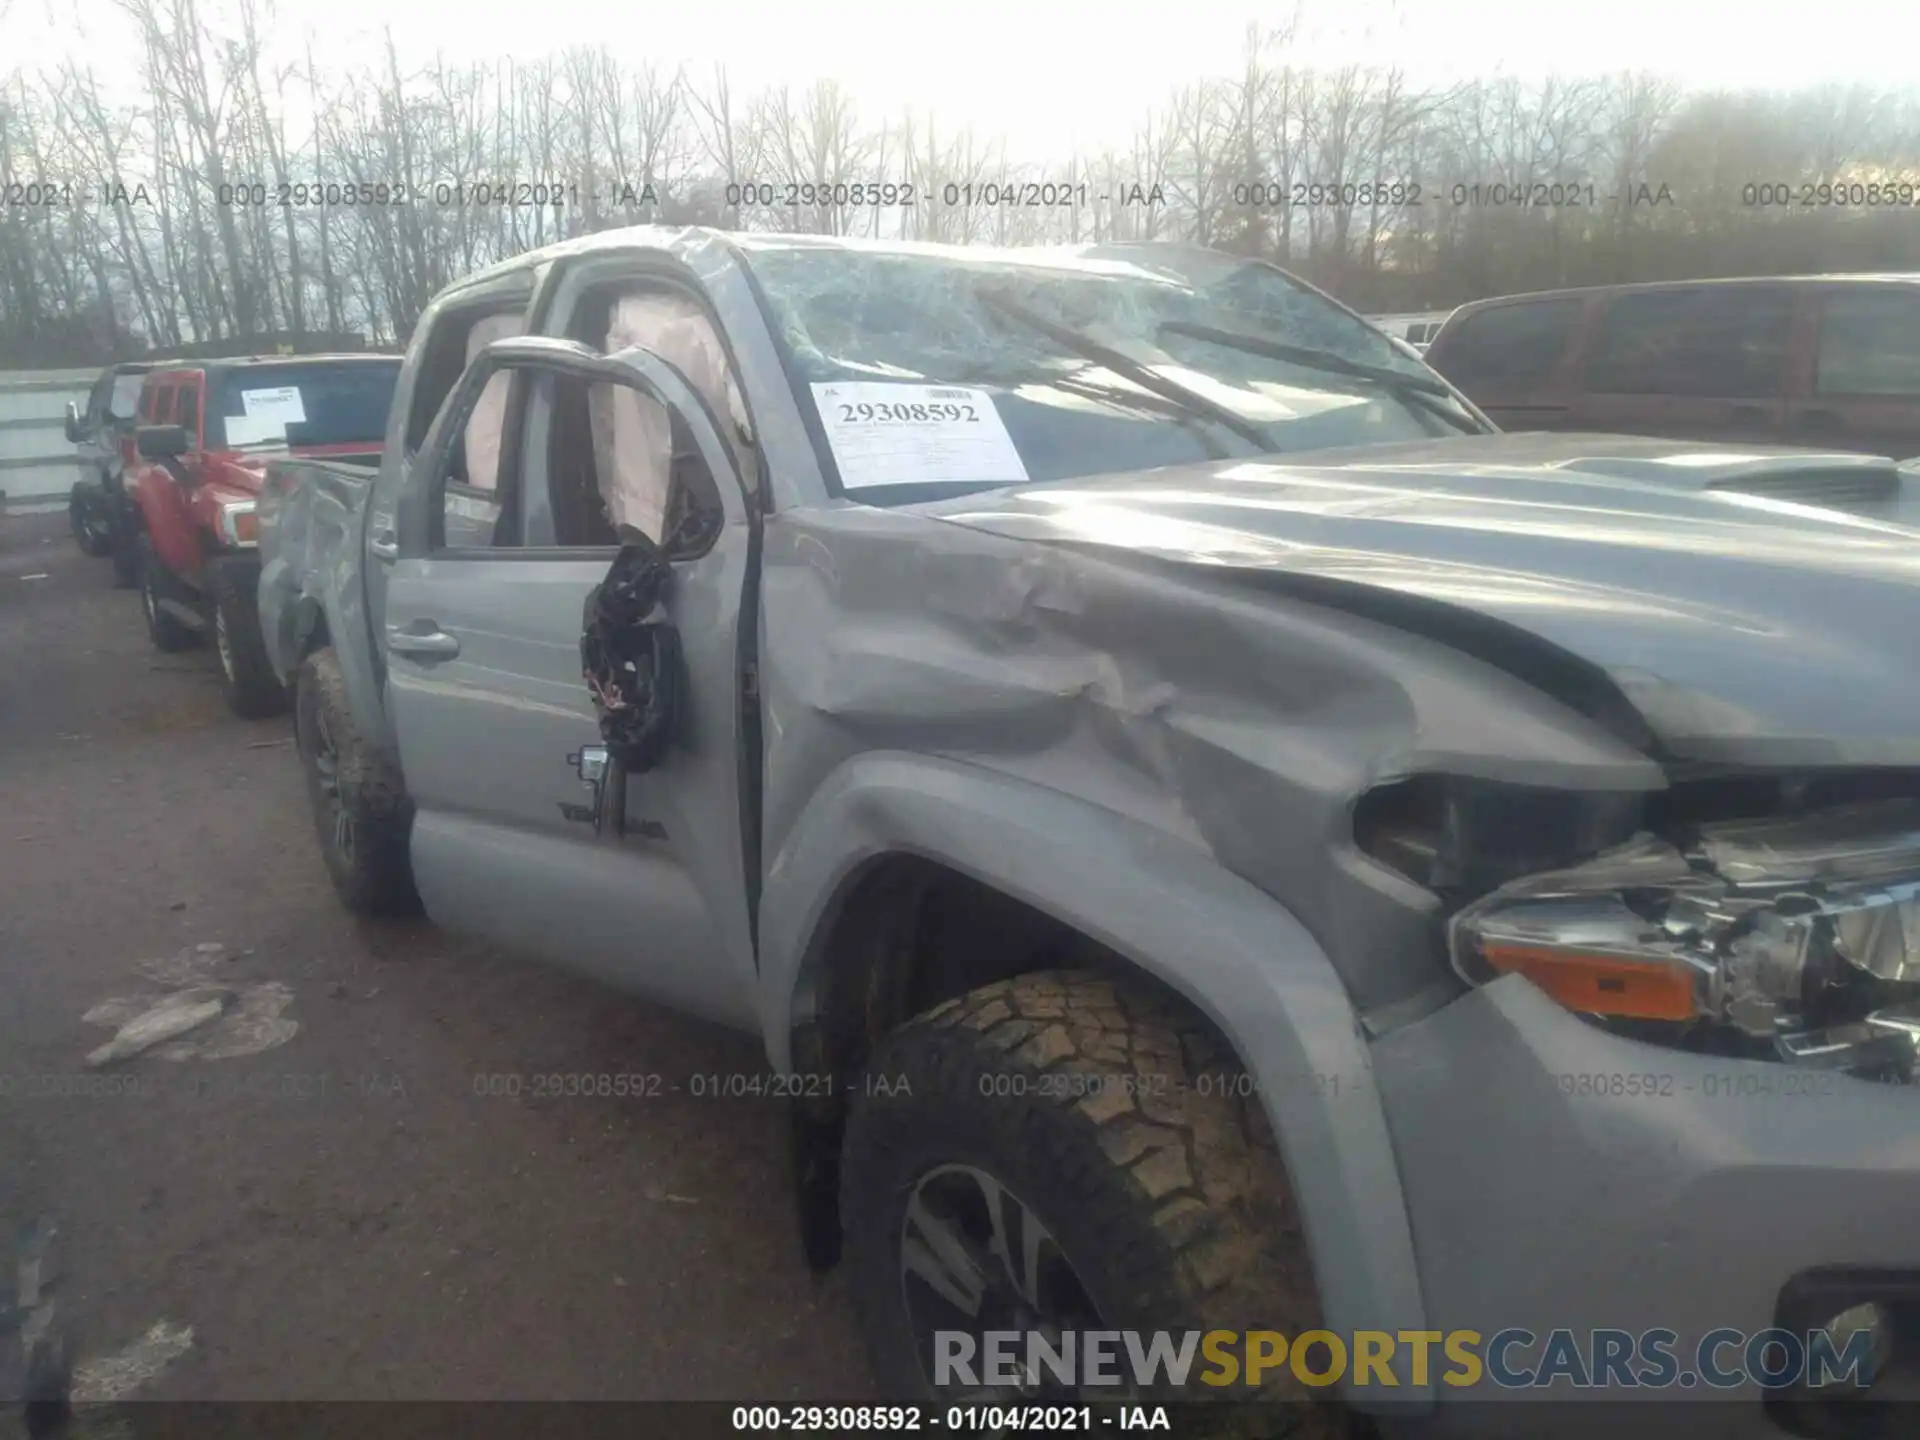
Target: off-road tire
[
  {"x": 1116, "y": 1116},
  {"x": 374, "y": 875},
  {"x": 168, "y": 632},
  {"x": 91, "y": 541},
  {"x": 246, "y": 674}
]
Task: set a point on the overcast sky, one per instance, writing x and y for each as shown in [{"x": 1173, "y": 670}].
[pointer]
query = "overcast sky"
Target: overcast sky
[{"x": 1052, "y": 75}]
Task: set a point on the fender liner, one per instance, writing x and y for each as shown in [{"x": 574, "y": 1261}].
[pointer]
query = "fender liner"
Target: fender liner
[
  {"x": 302, "y": 618},
  {"x": 1168, "y": 907}
]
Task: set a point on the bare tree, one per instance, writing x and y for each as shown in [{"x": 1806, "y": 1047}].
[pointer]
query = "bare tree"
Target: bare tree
[
  {"x": 730, "y": 139},
  {"x": 1390, "y": 194}
]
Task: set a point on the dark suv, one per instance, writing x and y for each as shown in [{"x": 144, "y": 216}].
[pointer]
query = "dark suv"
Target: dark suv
[
  {"x": 1830, "y": 361},
  {"x": 103, "y": 433}
]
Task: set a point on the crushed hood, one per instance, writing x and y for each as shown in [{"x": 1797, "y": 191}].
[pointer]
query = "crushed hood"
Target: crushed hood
[{"x": 1744, "y": 624}]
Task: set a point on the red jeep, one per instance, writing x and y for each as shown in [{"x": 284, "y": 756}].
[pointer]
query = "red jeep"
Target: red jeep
[{"x": 204, "y": 434}]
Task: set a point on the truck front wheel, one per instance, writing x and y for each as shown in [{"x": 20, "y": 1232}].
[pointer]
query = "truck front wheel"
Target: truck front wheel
[
  {"x": 1064, "y": 1153},
  {"x": 359, "y": 803},
  {"x": 252, "y": 689}
]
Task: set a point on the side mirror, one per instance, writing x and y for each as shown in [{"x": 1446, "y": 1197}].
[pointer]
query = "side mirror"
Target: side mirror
[
  {"x": 74, "y": 430},
  {"x": 590, "y": 763},
  {"x": 161, "y": 442},
  {"x": 607, "y": 783}
]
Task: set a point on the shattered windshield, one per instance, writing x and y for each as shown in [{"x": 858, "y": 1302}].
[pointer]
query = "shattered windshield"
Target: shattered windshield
[{"x": 935, "y": 372}]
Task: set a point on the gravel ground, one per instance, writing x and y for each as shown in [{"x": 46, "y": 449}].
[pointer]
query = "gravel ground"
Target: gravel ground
[{"x": 341, "y": 1216}]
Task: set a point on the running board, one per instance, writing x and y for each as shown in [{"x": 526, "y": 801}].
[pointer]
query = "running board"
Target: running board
[{"x": 185, "y": 614}]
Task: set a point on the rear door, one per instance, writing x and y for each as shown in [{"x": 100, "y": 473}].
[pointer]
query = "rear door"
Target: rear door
[
  {"x": 490, "y": 708},
  {"x": 439, "y": 356},
  {"x": 1512, "y": 359},
  {"x": 1704, "y": 362},
  {"x": 1865, "y": 383}
]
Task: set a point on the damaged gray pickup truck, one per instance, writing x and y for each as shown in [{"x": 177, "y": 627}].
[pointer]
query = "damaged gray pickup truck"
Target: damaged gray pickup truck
[{"x": 1214, "y": 837}]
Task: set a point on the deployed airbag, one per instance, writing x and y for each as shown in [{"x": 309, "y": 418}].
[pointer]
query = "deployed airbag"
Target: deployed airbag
[
  {"x": 633, "y": 432},
  {"x": 487, "y": 425}
]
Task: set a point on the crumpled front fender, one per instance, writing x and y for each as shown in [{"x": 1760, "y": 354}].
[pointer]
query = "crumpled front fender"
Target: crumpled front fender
[{"x": 1242, "y": 959}]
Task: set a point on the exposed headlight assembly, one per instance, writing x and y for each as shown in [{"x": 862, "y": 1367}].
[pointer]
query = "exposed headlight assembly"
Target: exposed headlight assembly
[{"x": 1798, "y": 936}]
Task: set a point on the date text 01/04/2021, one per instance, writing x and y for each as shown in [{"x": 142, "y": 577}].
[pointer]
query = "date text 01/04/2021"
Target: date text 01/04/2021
[
  {"x": 904, "y": 194},
  {"x": 1411, "y": 194},
  {"x": 708, "y": 1085},
  {"x": 442, "y": 194},
  {"x": 988, "y": 1419}
]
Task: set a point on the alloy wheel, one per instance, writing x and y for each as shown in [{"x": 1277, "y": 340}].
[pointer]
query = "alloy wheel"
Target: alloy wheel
[
  {"x": 975, "y": 1258},
  {"x": 326, "y": 769}
]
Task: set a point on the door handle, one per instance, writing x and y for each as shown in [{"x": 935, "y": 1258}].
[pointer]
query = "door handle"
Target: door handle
[
  {"x": 1749, "y": 414},
  {"x": 1820, "y": 419},
  {"x": 424, "y": 644},
  {"x": 385, "y": 545}
]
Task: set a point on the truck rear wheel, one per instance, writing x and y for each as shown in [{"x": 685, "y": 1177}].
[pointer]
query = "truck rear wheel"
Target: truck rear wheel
[
  {"x": 1095, "y": 1131},
  {"x": 89, "y": 526},
  {"x": 168, "y": 632},
  {"x": 123, "y": 546},
  {"x": 360, "y": 808},
  {"x": 252, "y": 689}
]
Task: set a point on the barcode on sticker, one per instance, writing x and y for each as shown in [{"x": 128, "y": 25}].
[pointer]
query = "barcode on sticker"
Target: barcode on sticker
[{"x": 949, "y": 394}]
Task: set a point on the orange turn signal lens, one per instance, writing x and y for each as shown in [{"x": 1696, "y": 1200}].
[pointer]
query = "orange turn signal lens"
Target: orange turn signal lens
[
  {"x": 246, "y": 527},
  {"x": 1600, "y": 984}
]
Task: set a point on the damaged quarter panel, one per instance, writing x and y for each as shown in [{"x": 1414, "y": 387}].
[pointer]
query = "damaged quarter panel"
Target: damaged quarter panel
[
  {"x": 1242, "y": 724},
  {"x": 1166, "y": 762},
  {"x": 311, "y": 516}
]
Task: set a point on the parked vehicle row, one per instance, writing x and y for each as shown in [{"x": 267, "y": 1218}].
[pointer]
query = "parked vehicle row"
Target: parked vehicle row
[
  {"x": 1831, "y": 361},
  {"x": 185, "y": 458},
  {"x": 99, "y": 507},
  {"x": 1181, "y": 797}
]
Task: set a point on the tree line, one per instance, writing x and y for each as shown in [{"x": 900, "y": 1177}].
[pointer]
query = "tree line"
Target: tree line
[{"x": 249, "y": 192}]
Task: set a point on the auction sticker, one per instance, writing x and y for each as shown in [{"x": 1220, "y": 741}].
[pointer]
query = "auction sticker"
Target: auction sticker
[
  {"x": 281, "y": 403},
  {"x": 888, "y": 434}
]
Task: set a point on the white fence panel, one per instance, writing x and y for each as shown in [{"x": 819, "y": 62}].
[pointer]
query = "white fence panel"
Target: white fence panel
[{"x": 37, "y": 465}]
